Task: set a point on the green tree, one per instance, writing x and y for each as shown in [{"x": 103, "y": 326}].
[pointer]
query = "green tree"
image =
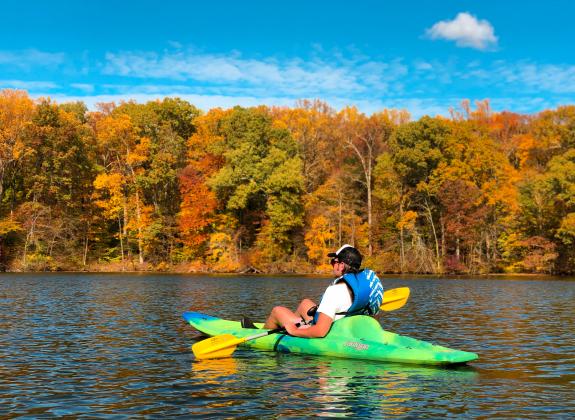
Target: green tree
[
  {"x": 313, "y": 125},
  {"x": 58, "y": 183},
  {"x": 366, "y": 138},
  {"x": 168, "y": 124},
  {"x": 260, "y": 181},
  {"x": 417, "y": 149},
  {"x": 545, "y": 218},
  {"x": 123, "y": 154},
  {"x": 393, "y": 204},
  {"x": 561, "y": 180},
  {"x": 16, "y": 110}
]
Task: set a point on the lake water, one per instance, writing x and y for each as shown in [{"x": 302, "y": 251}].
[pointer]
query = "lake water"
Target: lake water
[{"x": 115, "y": 345}]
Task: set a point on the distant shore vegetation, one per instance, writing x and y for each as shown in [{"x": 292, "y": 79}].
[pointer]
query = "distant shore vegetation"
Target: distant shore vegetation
[{"x": 163, "y": 186}]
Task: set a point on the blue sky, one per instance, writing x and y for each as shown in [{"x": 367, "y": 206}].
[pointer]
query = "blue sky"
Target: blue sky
[{"x": 423, "y": 56}]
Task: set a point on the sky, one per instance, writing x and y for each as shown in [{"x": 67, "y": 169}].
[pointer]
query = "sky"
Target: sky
[{"x": 424, "y": 56}]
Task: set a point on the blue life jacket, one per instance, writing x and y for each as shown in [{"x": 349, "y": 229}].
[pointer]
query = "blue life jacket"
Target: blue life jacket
[{"x": 367, "y": 293}]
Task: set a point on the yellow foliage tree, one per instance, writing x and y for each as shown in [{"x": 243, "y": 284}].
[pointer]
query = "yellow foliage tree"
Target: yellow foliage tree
[
  {"x": 319, "y": 240},
  {"x": 124, "y": 153},
  {"x": 16, "y": 110}
]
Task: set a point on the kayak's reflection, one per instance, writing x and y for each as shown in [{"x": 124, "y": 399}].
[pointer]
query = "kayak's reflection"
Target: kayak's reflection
[
  {"x": 215, "y": 371},
  {"x": 301, "y": 385},
  {"x": 367, "y": 388}
]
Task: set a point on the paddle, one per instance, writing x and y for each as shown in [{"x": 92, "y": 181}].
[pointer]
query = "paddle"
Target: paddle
[
  {"x": 225, "y": 344},
  {"x": 394, "y": 299}
]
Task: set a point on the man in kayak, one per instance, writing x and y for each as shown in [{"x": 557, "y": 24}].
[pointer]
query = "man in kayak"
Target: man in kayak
[{"x": 353, "y": 292}]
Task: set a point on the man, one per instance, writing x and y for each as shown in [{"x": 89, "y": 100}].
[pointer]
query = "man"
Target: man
[{"x": 353, "y": 292}]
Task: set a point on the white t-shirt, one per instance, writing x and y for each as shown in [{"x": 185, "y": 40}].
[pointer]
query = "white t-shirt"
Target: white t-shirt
[{"x": 335, "y": 299}]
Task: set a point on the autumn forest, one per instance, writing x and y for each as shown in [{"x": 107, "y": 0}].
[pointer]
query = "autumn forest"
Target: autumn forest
[{"x": 164, "y": 186}]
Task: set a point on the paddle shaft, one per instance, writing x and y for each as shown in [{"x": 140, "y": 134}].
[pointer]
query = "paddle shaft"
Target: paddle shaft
[
  {"x": 274, "y": 331},
  {"x": 270, "y": 332},
  {"x": 238, "y": 341}
]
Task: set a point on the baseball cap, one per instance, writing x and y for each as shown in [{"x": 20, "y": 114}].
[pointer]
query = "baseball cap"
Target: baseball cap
[{"x": 348, "y": 255}]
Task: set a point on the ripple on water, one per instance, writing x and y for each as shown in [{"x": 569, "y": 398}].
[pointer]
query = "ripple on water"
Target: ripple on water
[{"x": 115, "y": 345}]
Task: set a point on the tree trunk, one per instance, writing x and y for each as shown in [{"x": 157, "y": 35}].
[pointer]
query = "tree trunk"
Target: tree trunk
[
  {"x": 442, "y": 236},
  {"x": 139, "y": 221},
  {"x": 339, "y": 222},
  {"x": 457, "y": 251},
  {"x": 437, "y": 255},
  {"x": 29, "y": 237},
  {"x": 138, "y": 215},
  {"x": 121, "y": 241},
  {"x": 85, "y": 256},
  {"x": 366, "y": 164},
  {"x": 401, "y": 240},
  {"x": 369, "y": 215},
  {"x": 128, "y": 247}
]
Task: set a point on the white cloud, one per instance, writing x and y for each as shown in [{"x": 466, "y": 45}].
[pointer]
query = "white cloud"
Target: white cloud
[
  {"x": 27, "y": 85},
  {"x": 423, "y": 86},
  {"x": 31, "y": 58},
  {"x": 294, "y": 77},
  {"x": 417, "y": 106},
  {"x": 466, "y": 31},
  {"x": 421, "y": 65},
  {"x": 541, "y": 77},
  {"x": 513, "y": 77},
  {"x": 86, "y": 87}
]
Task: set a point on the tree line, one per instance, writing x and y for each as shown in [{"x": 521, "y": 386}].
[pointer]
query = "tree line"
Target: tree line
[{"x": 165, "y": 186}]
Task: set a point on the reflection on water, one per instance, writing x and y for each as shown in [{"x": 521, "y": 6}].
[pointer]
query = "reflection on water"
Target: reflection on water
[
  {"x": 299, "y": 385},
  {"x": 373, "y": 389},
  {"x": 103, "y": 345},
  {"x": 215, "y": 371}
]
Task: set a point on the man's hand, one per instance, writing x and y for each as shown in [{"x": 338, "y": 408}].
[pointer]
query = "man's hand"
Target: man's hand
[
  {"x": 314, "y": 331},
  {"x": 291, "y": 328}
]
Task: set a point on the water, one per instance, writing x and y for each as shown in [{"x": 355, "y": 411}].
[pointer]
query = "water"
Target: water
[{"x": 102, "y": 345}]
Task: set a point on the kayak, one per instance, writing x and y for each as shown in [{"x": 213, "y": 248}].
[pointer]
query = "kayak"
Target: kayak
[{"x": 355, "y": 337}]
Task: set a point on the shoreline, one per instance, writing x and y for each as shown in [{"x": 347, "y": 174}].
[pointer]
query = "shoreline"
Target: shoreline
[{"x": 296, "y": 274}]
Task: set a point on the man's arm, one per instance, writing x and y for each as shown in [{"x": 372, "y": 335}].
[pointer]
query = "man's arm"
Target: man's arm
[{"x": 318, "y": 330}]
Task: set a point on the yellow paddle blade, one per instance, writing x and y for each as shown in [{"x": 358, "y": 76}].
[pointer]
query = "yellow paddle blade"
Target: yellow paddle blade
[
  {"x": 394, "y": 298},
  {"x": 219, "y": 346}
]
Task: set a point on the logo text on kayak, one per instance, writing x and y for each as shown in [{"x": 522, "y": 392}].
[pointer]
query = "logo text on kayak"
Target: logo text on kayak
[{"x": 356, "y": 345}]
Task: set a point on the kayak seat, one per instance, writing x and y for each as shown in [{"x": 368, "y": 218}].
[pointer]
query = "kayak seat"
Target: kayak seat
[
  {"x": 359, "y": 327},
  {"x": 247, "y": 323}
]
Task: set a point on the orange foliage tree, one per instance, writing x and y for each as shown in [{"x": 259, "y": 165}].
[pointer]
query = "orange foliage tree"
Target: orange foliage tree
[{"x": 199, "y": 204}]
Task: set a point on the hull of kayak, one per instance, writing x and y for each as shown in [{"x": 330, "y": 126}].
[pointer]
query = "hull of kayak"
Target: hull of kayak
[{"x": 357, "y": 337}]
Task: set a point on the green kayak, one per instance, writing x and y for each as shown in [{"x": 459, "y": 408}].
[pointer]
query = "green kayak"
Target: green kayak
[{"x": 355, "y": 337}]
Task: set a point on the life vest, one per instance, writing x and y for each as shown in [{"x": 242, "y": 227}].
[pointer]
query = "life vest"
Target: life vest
[{"x": 367, "y": 292}]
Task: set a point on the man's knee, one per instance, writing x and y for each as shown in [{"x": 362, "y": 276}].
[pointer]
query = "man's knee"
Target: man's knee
[
  {"x": 278, "y": 310},
  {"x": 304, "y": 307},
  {"x": 306, "y": 304}
]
